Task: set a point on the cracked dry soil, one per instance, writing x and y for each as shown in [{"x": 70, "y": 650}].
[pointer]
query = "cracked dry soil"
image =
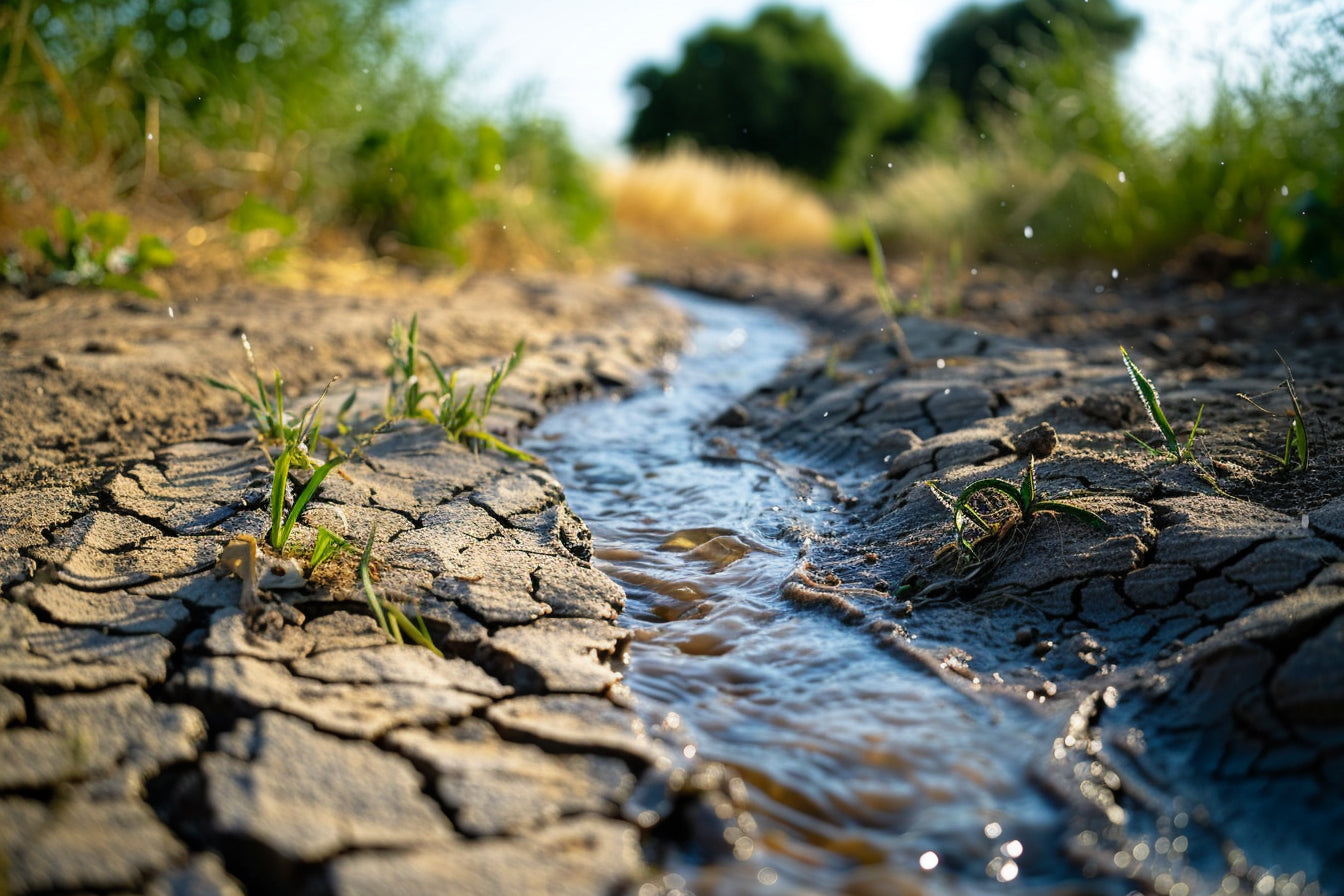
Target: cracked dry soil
[
  {"x": 154, "y": 744},
  {"x": 1189, "y": 654}
]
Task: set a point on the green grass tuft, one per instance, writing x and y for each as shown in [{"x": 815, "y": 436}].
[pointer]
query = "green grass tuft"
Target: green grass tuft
[
  {"x": 1024, "y": 502},
  {"x": 390, "y": 617},
  {"x": 89, "y": 251}
]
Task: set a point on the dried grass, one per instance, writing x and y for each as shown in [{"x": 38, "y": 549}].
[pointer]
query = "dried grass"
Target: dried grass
[{"x": 688, "y": 195}]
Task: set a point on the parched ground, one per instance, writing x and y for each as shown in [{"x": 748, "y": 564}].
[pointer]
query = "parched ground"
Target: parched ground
[
  {"x": 156, "y": 741},
  {"x": 160, "y": 745}
]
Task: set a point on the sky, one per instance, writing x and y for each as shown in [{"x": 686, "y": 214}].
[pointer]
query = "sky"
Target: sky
[{"x": 572, "y": 59}]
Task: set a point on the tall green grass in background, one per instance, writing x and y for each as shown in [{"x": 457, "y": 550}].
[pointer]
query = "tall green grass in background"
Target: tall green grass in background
[
  {"x": 1065, "y": 174},
  {"x": 319, "y": 108}
]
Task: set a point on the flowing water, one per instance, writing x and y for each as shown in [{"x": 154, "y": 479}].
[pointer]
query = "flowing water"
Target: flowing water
[{"x": 865, "y": 772}]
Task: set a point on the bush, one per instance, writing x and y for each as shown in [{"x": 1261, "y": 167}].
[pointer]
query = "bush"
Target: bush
[
  {"x": 319, "y": 108},
  {"x": 1066, "y": 160}
]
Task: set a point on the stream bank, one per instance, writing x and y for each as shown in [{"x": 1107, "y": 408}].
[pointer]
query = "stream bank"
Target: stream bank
[
  {"x": 1186, "y": 658},
  {"x": 154, "y": 743},
  {"x": 1189, "y": 694}
]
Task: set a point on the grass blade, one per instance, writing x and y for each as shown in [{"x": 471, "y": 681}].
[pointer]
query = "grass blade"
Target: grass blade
[
  {"x": 1148, "y": 393},
  {"x": 279, "y": 481},
  {"x": 302, "y": 500},
  {"x": 1073, "y": 510},
  {"x": 418, "y": 634},
  {"x": 366, "y": 580}
]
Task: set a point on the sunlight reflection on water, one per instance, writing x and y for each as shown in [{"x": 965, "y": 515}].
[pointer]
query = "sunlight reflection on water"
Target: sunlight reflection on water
[{"x": 865, "y": 773}]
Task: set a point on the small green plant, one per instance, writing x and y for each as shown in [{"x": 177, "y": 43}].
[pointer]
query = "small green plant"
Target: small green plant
[
  {"x": 463, "y": 418},
  {"x": 389, "y": 616},
  {"x": 327, "y": 545},
  {"x": 295, "y": 452},
  {"x": 1024, "y": 501},
  {"x": 92, "y": 252},
  {"x": 1172, "y": 446},
  {"x": 1297, "y": 448},
  {"x": 268, "y": 409},
  {"x": 264, "y": 233},
  {"x": 462, "y": 415},
  {"x": 405, "y": 395},
  {"x": 886, "y": 296}
]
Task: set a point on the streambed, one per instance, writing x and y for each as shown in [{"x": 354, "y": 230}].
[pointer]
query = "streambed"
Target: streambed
[{"x": 865, "y": 772}]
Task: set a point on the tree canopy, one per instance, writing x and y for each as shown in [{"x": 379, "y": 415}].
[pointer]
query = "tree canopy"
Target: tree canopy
[
  {"x": 972, "y": 56},
  {"x": 782, "y": 87}
]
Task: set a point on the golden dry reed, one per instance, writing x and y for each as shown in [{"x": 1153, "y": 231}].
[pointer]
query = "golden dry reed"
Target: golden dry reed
[{"x": 689, "y": 195}]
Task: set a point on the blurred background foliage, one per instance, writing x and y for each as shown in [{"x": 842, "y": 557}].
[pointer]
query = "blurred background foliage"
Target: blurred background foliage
[
  {"x": 1013, "y": 144},
  {"x": 274, "y": 123},
  {"x": 320, "y": 109}
]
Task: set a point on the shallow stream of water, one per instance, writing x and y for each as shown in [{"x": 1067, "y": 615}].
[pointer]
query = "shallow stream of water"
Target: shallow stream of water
[{"x": 865, "y": 772}]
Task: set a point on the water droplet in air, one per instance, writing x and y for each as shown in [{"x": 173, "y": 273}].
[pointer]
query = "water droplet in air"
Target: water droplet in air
[
  {"x": 1115, "y": 273},
  {"x": 941, "y": 363},
  {"x": 1122, "y": 177},
  {"x": 1028, "y": 232},
  {"x": 993, "y": 830},
  {"x": 1283, "y": 190},
  {"x": 929, "y": 860}
]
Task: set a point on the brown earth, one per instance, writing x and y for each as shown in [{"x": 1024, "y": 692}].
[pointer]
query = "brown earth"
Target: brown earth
[
  {"x": 95, "y": 385},
  {"x": 94, "y": 378}
]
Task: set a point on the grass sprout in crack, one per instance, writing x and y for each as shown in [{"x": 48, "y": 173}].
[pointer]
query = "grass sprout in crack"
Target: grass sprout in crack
[{"x": 996, "y": 508}]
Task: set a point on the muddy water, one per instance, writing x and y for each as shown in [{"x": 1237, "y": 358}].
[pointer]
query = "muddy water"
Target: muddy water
[{"x": 865, "y": 773}]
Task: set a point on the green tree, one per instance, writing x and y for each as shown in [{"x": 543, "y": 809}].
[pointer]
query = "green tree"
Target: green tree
[
  {"x": 783, "y": 87},
  {"x": 975, "y": 56}
]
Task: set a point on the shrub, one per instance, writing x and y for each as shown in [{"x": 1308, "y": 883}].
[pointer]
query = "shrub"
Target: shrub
[{"x": 320, "y": 109}]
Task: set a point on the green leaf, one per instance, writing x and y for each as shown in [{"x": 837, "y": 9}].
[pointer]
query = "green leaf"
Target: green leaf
[
  {"x": 67, "y": 228},
  {"x": 39, "y": 239},
  {"x": 305, "y": 496},
  {"x": 419, "y": 635},
  {"x": 256, "y": 214},
  {"x": 152, "y": 252},
  {"x": 279, "y": 479},
  {"x": 1028, "y": 493},
  {"x": 877, "y": 263},
  {"x": 326, "y": 545},
  {"x": 1073, "y": 510},
  {"x": 1148, "y": 394},
  {"x": 108, "y": 231},
  {"x": 126, "y": 283},
  {"x": 366, "y": 581}
]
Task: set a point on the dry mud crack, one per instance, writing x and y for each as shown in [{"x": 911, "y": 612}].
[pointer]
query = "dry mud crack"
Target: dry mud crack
[
  {"x": 154, "y": 744},
  {"x": 1188, "y": 656}
]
